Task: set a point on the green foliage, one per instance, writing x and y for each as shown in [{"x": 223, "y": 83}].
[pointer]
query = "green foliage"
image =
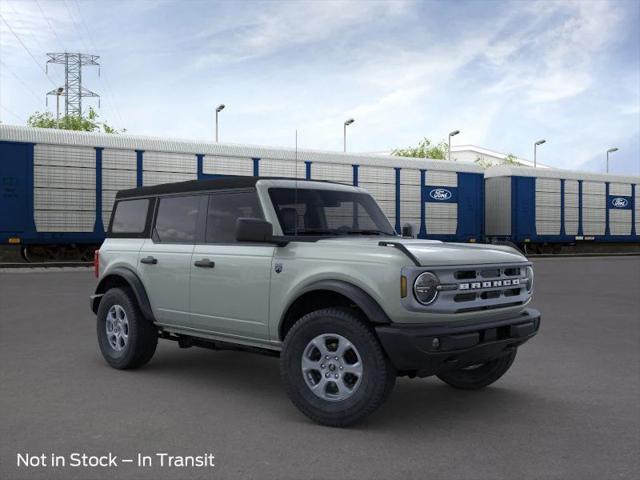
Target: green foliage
[
  {"x": 425, "y": 149},
  {"x": 88, "y": 123},
  {"x": 510, "y": 159}
]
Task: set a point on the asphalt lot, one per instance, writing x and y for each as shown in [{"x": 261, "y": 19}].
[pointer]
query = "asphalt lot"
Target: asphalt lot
[{"x": 568, "y": 408}]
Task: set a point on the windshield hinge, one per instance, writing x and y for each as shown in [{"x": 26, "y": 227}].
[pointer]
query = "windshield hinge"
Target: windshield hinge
[{"x": 403, "y": 249}]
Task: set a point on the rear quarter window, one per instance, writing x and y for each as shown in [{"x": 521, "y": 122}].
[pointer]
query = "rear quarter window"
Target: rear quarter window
[
  {"x": 176, "y": 220},
  {"x": 130, "y": 216}
]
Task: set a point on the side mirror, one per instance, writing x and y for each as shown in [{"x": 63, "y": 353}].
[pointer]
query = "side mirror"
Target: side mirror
[
  {"x": 407, "y": 230},
  {"x": 254, "y": 230}
]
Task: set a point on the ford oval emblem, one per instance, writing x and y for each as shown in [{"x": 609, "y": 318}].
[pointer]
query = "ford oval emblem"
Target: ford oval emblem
[
  {"x": 619, "y": 202},
  {"x": 440, "y": 194}
]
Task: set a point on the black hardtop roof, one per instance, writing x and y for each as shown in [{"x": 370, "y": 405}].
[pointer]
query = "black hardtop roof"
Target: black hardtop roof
[{"x": 222, "y": 183}]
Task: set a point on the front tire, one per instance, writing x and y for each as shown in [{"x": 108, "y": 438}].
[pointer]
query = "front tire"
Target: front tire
[
  {"x": 127, "y": 340},
  {"x": 334, "y": 369},
  {"x": 476, "y": 377}
]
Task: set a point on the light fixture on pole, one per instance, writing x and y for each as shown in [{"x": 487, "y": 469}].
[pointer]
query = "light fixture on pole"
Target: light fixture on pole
[
  {"x": 535, "y": 146},
  {"x": 218, "y": 110},
  {"x": 344, "y": 134},
  {"x": 611, "y": 150},
  {"x": 451, "y": 134},
  {"x": 58, "y": 93}
]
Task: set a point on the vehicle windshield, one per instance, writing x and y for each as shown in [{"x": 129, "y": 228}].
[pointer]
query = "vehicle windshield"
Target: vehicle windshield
[{"x": 308, "y": 212}]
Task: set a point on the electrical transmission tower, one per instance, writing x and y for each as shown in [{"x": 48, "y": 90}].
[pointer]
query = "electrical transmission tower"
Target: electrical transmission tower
[{"x": 73, "y": 91}]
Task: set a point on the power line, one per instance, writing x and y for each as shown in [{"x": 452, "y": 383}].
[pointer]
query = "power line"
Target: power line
[
  {"x": 75, "y": 25},
  {"x": 50, "y": 25},
  {"x": 23, "y": 24},
  {"x": 9, "y": 111},
  {"x": 111, "y": 98},
  {"x": 27, "y": 49},
  {"x": 24, "y": 84}
]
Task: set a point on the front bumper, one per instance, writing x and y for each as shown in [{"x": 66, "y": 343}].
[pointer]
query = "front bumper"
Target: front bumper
[{"x": 426, "y": 350}]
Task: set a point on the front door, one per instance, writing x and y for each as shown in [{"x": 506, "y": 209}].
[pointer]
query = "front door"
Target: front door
[
  {"x": 165, "y": 259},
  {"x": 230, "y": 280}
]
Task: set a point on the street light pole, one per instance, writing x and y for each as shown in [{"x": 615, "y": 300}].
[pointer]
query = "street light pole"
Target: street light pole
[
  {"x": 611, "y": 150},
  {"x": 535, "y": 146},
  {"x": 344, "y": 132},
  {"x": 452, "y": 134},
  {"x": 58, "y": 93},
  {"x": 218, "y": 110}
]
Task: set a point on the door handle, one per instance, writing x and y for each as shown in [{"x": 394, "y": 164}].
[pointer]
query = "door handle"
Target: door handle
[
  {"x": 204, "y": 263},
  {"x": 149, "y": 260}
]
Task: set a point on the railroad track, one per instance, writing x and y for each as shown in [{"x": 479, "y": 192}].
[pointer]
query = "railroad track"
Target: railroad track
[{"x": 583, "y": 254}]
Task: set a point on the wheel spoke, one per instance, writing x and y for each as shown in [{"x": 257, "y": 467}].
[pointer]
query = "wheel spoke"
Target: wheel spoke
[
  {"x": 308, "y": 364},
  {"x": 124, "y": 329},
  {"x": 343, "y": 347},
  {"x": 343, "y": 388},
  {"x": 320, "y": 386},
  {"x": 319, "y": 343},
  {"x": 354, "y": 369}
]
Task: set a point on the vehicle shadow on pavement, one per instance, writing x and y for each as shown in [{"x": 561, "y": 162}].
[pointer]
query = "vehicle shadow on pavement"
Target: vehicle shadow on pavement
[
  {"x": 413, "y": 404},
  {"x": 416, "y": 403}
]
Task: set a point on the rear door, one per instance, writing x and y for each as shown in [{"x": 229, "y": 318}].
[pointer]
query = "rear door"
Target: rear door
[
  {"x": 165, "y": 259},
  {"x": 230, "y": 280}
]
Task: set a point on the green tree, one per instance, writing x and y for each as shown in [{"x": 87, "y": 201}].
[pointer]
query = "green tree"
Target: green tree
[
  {"x": 425, "y": 149},
  {"x": 510, "y": 159},
  {"x": 88, "y": 123}
]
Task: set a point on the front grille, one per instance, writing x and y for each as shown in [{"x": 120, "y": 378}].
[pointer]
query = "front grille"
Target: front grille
[{"x": 469, "y": 289}]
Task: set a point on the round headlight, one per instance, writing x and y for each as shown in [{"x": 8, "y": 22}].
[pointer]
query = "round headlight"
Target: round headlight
[
  {"x": 425, "y": 288},
  {"x": 529, "y": 275}
]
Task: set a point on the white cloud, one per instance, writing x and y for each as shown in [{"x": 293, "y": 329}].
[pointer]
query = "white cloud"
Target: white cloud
[
  {"x": 402, "y": 69},
  {"x": 267, "y": 28},
  {"x": 558, "y": 63}
]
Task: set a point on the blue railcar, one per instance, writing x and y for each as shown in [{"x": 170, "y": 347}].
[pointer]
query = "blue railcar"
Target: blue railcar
[
  {"x": 58, "y": 186},
  {"x": 550, "y": 206}
]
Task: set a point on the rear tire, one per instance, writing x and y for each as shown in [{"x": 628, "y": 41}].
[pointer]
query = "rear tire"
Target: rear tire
[
  {"x": 480, "y": 376},
  {"x": 334, "y": 369},
  {"x": 127, "y": 339}
]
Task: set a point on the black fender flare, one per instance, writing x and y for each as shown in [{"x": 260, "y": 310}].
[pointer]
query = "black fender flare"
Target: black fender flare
[
  {"x": 359, "y": 297},
  {"x": 133, "y": 281}
]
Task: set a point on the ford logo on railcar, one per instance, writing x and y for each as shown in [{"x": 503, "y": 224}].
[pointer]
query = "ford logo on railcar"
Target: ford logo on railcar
[
  {"x": 619, "y": 202},
  {"x": 440, "y": 194}
]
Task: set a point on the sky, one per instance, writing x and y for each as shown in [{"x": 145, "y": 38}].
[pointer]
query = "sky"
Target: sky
[{"x": 503, "y": 73}]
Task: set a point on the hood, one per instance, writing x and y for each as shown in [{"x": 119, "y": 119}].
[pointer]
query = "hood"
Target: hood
[{"x": 437, "y": 253}]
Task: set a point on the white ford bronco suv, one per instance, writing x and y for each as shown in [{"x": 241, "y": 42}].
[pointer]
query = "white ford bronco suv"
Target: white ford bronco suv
[{"x": 313, "y": 272}]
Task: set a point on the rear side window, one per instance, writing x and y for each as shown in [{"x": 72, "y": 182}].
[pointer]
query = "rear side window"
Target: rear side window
[
  {"x": 224, "y": 209},
  {"x": 130, "y": 216},
  {"x": 176, "y": 219}
]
